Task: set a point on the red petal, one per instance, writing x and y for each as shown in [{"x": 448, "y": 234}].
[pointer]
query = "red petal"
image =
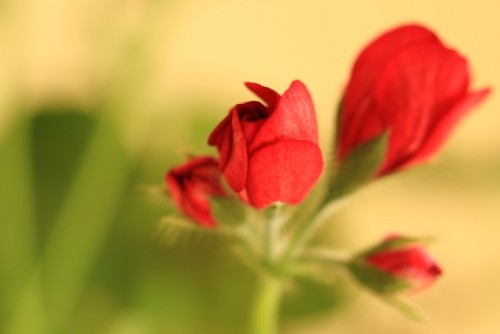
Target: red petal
[
  {"x": 357, "y": 103},
  {"x": 197, "y": 206},
  {"x": 266, "y": 94},
  {"x": 284, "y": 171},
  {"x": 235, "y": 170},
  {"x": 416, "y": 89},
  {"x": 293, "y": 118},
  {"x": 219, "y": 132},
  {"x": 221, "y": 138},
  {"x": 443, "y": 128}
]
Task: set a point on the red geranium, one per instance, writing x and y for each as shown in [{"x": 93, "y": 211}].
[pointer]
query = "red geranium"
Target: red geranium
[
  {"x": 411, "y": 264},
  {"x": 409, "y": 84},
  {"x": 269, "y": 152},
  {"x": 192, "y": 184},
  {"x": 395, "y": 265}
]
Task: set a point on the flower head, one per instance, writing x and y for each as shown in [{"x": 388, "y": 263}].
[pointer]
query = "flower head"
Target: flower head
[
  {"x": 192, "y": 184},
  {"x": 395, "y": 265},
  {"x": 408, "y": 84},
  {"x": 269, "y": 151}
]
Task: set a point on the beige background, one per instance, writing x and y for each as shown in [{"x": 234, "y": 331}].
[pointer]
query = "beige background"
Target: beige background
[{"x": 179, "y": 51}]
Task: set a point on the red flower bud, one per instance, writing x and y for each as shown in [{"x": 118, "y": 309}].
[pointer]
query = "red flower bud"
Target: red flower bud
[
  {"x": 408, "y": 84},
  {"x": 269, "y": 153},
  {"x": 397, "y": 264},
  {"x": 192, "y": 184}
]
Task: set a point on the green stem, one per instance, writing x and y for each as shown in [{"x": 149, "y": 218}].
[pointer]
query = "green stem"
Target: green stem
[
  {"x": 270, "y": 232},
  {"x": 325, "y": 256},
  {"x": 264, "y": 317},
  {"x": 307, "y": 230}
]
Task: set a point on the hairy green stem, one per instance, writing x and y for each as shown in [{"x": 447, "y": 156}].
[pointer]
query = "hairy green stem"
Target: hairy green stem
[
  {"x": 270, "y": 232},
  {"x": 264, "y": 316},
  {"x": 325, "y": 256}
]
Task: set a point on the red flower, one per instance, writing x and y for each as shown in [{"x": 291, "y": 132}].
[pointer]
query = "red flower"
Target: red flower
[
  {"x": 192, "y": 184},
  {"x": 269, "y": 153},
  {"x": 397, "y": 264},
  {"x": 411, "y": 264},
  {"x": 409, "y": 84}
]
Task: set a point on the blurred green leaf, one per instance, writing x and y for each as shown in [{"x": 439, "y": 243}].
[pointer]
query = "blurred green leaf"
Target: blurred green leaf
[
  {"x": 84, "y": 219},
  {"x": 17, "y": 224},
  {"x": 59, "y": 138}
]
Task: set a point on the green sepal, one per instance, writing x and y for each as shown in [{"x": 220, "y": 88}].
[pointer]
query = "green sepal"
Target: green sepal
[
  {"x": 359, "y": 167},
  {"x": 338, "y": 122},
  {"x": 396, "y": 243},
  {"x": 386, "y": 287},
  {"x": 377, "y": 280}
]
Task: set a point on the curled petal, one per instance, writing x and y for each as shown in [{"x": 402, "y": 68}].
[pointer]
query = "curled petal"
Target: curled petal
[
  {"x": 294, "y": 117},
  {"x": 266, "y": 94},
  {"x": 235, "y": 170}
]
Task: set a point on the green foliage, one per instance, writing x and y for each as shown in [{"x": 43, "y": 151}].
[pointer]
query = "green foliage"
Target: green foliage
[{"x": 59, "y": 138}]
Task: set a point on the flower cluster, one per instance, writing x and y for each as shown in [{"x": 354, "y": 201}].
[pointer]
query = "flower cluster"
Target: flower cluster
[{"x": 406, "y": 93}]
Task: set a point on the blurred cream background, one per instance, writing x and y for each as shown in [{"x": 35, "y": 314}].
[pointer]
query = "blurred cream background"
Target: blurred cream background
[{"x": 175, "y": 52}]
